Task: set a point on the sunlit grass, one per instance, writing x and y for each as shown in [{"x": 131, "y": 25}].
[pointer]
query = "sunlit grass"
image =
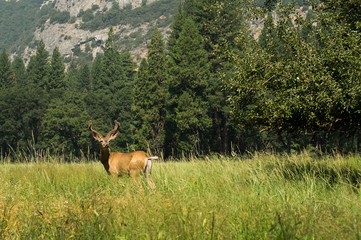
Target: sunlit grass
[{"x": 258, "y": 197}]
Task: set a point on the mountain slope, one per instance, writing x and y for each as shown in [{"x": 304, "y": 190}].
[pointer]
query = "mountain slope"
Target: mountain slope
[{"x": 80, "y": 27}]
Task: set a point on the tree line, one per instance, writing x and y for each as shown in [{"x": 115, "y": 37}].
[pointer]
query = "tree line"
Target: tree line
[{"x": 211, "y": 87}]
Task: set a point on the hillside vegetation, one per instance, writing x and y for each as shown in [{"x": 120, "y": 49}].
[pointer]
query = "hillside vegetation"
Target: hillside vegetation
[
  {"x": 20, "y": 19},
  {"x": 258, "y": 197}
]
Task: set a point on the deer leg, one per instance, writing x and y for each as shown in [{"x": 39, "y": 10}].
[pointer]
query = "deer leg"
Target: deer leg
[
  {"x": 134, "y": 174},
  {"x": 150, "y": 181}
]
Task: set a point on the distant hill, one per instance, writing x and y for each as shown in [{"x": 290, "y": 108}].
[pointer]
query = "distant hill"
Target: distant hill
[{"x": 80, "y": 27}]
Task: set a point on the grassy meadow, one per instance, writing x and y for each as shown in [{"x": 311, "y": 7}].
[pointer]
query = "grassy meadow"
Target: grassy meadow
[{"x": 256, "y": 197}]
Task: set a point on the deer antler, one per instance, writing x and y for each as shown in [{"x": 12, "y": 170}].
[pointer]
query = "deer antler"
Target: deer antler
[
  {"x": 115, "y": 129},
  {"x": 95, "y": 133}
]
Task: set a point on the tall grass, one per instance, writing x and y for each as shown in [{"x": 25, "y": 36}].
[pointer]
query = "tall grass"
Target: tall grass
[{"x": 258, "y": 197}]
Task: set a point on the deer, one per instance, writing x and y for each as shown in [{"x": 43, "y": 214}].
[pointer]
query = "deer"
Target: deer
[{"x": 133, "y": 164}]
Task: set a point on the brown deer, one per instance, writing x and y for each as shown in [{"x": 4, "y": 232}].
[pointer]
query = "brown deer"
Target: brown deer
[{"x": 117, "y": 163}]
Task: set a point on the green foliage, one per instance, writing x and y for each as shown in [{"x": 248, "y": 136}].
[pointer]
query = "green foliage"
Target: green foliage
[
  {"x": 18, "y": 69},
  {"x": 5, "y": 70},
  {"x": 134, "y": 17},
  {"x": 59, "y": 17},
  {"x": 113, "y": 91},
  {"x": 346, "y": 12},
  {"x": 87, "y": 15},
  {"x": 219, "y": 23},
  {"x": 189, "y": 70},
  {"x": 63, "y": 124},
  {"x": 17, "y": 23},
  {"x": 56, "y": 72},
  {"x": 150, "y": 97},
  {"x": 300, "y": 84},
  {"x": 216, "y": 89},
  {"x": 38, "y": 69},
  {"x": 22, "y": 107},
  {"x": 268, "y": 34}
]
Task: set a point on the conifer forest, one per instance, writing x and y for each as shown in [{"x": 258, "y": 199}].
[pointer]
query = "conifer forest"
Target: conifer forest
[{"x": 210, "y": 87}]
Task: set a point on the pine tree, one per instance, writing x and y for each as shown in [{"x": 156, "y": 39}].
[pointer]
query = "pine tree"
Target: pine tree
[
  {"x": 95, "y": 71},
  {"x": 112, "y": 96},
  {"x": 189, "y": 71},
  {"x": 38, "y": 68},
  {"x": 128, "y": 65},
  {"x": 83, "y": 79},
  {"x": 138, "y": 109},
  {"x": 18, "y": 69},
  {"x": 56, "y": 73},
  {"x": 5, "y": 71},
  {"x": 220, "y": 23},
  {"x": 151, "y": 93}
]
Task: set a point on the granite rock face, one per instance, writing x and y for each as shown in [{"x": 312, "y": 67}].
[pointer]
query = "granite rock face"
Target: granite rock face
[{"x": 68, "y": 36}]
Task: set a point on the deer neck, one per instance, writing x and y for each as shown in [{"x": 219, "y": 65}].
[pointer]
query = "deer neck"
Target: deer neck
[{"x": 104, "y": 158}]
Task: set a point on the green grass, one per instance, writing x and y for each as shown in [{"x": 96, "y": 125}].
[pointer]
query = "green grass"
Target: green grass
[{"x": 258, "y": 197}]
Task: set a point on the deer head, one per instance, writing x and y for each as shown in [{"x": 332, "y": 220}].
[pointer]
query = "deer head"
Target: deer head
[{"x": 104, "y": 141}]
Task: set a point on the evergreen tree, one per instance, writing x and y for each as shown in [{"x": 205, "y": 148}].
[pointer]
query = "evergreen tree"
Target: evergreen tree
[
  {"x": 38, "y": 68},
  {"x": 5, "y": 71},
  {"x": 112, "y": 97},
  {"x": 219, "y": 23},
  {"x": 151, "y": 98},
  {"x": 128, "y": 65},
  {"x": 138, "y": 110},
  {"x": 189, "y": 70},
  {"x": 19, "y": 71},
  {"x": 21, "y": 110},
  {"x": 71, "y": 81},
  {"x": 95, "y": 71},
  {"x": 56, "y": 73},
  {"x": 63, "y": 124},
  {"x": 83, "y": 79}
]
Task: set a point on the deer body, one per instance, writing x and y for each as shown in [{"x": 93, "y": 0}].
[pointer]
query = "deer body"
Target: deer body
[{"x": 116, "y": 163}]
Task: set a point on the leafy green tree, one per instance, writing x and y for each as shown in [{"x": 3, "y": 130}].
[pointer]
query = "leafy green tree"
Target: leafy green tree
[
  {"x": 150, "y": 100},
  {"x": 189, "y": 71},
  {"x": 268, "y": 35},
  {"x": 311, "y": 87},
  {"x": 345, "y": 12},
  {"x": 5, "y": 71}
]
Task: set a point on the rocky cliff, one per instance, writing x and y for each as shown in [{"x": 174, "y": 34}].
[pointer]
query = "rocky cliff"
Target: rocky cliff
[{"x": 69, "y": 36}]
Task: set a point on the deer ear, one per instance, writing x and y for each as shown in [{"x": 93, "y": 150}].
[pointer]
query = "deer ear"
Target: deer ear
[{"x": 113, "y": 136}]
